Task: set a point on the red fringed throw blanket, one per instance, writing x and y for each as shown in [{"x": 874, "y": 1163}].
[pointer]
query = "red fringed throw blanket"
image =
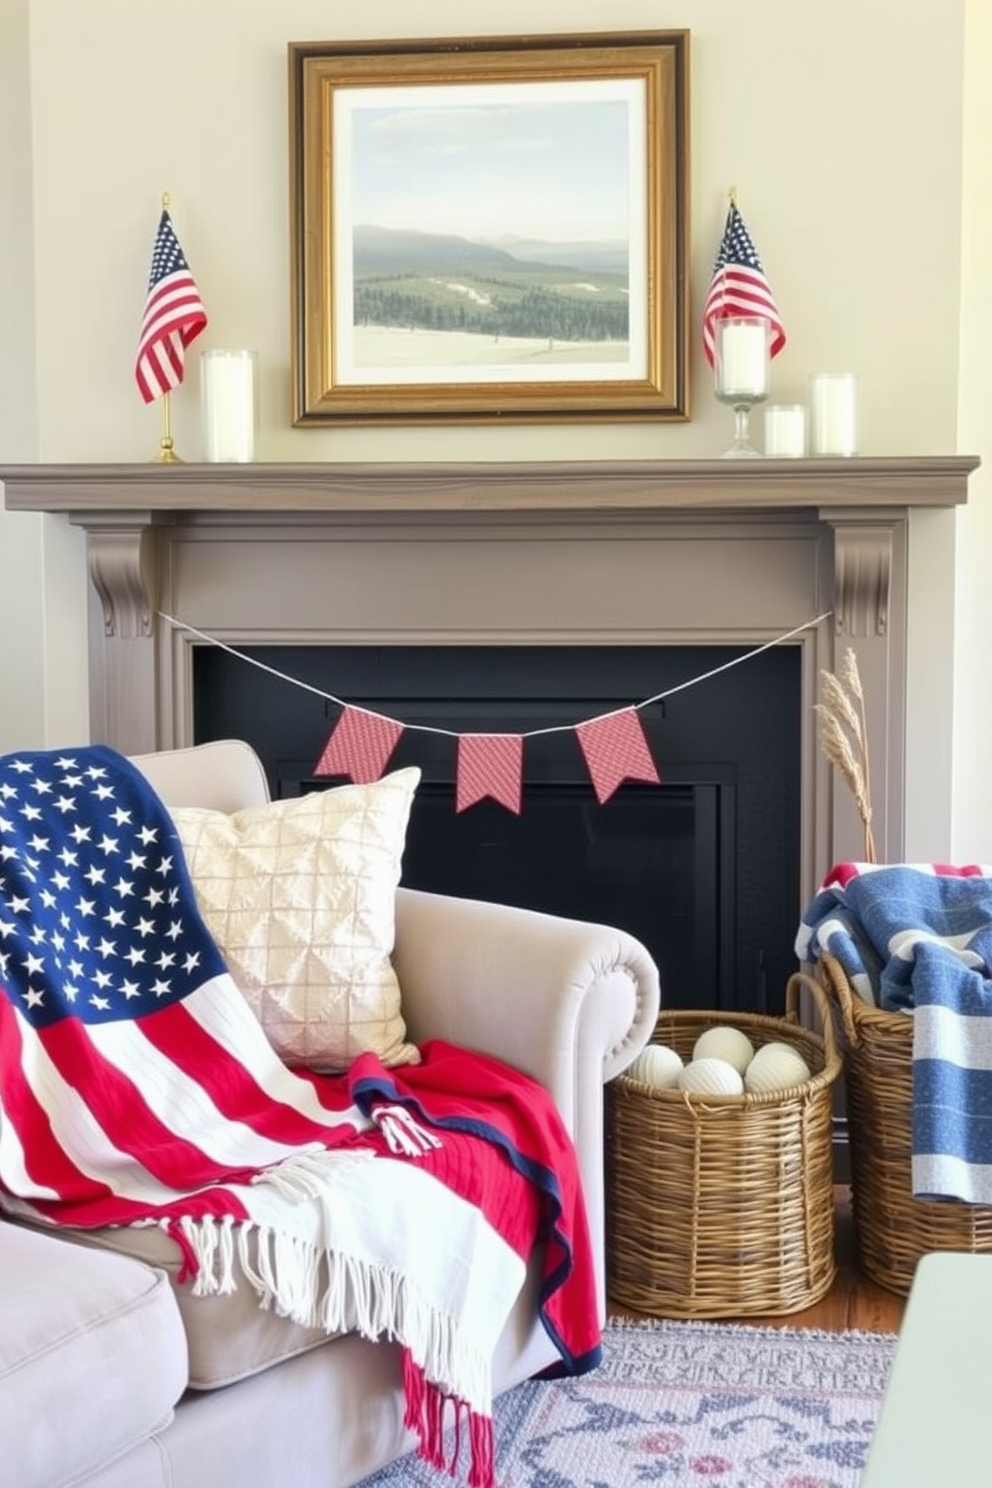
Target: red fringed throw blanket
[{"x": 136, "y": 1087}]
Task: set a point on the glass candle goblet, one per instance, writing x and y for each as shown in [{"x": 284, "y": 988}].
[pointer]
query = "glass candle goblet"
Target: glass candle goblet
[{"x": 741, "y": 369}]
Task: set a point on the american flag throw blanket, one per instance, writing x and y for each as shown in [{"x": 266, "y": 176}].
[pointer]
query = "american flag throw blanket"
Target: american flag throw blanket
[
  {"x": 917, "y": 938},
  {"x": 136, "y": 1087}
]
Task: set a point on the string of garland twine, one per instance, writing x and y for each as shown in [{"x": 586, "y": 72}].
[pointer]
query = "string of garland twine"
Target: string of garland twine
[{"x": 427, "y": 728}]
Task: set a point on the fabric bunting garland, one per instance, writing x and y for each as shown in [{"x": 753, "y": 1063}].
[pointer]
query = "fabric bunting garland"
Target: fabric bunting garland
[
  {"x": 490, "y": 766},
  {"x": 616, "y": 750},
  {"x": 359, "y": 745}
]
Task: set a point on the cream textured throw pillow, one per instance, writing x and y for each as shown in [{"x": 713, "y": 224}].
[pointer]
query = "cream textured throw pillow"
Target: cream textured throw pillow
[{"x": 300, "y": 897}]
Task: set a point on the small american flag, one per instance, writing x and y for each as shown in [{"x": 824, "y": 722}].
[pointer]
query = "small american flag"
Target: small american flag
[
  {"x": 739, "y": 287},
  {"x": 174, "y": 316}
]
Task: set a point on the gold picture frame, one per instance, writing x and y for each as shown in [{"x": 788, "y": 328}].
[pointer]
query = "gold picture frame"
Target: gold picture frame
[{"x": 490, "y": 230}]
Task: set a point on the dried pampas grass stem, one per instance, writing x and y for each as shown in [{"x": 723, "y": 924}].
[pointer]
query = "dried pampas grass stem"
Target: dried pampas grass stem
[{"x": 844, "y": 737}]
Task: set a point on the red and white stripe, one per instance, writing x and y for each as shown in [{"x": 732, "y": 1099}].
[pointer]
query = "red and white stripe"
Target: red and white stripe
[{"x": 174, "y": 316}]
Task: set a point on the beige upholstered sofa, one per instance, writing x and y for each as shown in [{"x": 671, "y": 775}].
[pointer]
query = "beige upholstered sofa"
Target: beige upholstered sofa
[{"x": 113, "y": 1376}]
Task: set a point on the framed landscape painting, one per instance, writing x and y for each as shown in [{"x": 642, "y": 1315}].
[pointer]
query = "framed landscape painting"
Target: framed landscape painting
[{"x": 490, "y": 230}]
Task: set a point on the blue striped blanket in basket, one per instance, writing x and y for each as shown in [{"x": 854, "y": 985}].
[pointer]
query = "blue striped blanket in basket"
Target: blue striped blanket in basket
[{"x": 917, "y": 939}]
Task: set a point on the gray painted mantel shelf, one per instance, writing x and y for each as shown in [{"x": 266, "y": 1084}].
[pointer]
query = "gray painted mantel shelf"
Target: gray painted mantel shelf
[
  {"x": 683, "y": 485},
  {"x": 668, "y": 552}
]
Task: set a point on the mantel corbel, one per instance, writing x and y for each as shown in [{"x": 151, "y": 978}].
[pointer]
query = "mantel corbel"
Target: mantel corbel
[
  {"x": 121, "y": 554},
  {"x": 870, "y": 575},
  {"x": 864, "y": 549}
]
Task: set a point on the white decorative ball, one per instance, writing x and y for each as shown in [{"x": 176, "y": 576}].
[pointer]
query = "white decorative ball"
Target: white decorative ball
[
  {"x": 711, "y": 1077},
  {"x": 657, "y": 1065},
  {"x": 776, "y": 1066},
  {"x": 727, "y": 1043}
]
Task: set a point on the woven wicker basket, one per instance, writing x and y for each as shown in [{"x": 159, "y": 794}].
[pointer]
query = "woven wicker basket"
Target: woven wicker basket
[
  {"x": 893, "y": 1230},
  {"x": 723, "y": 1206}
]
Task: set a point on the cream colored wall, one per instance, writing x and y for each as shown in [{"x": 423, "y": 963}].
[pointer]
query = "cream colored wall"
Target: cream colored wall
[
  {"x": 43, "y": 693},
  {"x": 972, "y": 776},
  {"x": 838, "y": 120},
  {"x": 786, "y": 109},
  {"x": 22, "y": 670}
]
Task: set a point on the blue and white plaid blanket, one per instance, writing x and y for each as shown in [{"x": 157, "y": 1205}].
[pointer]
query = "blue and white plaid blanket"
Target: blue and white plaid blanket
[{"x": 918, "y": 938}]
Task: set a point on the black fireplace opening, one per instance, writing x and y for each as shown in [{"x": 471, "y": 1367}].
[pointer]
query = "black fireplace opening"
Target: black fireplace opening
[{"x": 703, "y": 867}]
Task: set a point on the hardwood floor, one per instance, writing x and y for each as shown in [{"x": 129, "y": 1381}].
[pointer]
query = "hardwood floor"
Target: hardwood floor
[{"x": 853, "y": 1302}]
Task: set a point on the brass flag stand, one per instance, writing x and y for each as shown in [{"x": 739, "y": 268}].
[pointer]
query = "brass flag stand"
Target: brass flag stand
[{"x": 166, "y": 450}]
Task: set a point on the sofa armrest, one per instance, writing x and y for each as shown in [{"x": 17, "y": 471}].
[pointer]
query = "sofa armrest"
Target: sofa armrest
[
  {"x": 526, "y": 987},
  {"x": 567, "y": 1002}
]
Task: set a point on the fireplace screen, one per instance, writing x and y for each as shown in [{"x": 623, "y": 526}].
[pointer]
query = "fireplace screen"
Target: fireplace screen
[{"x": 703, "y": 868}]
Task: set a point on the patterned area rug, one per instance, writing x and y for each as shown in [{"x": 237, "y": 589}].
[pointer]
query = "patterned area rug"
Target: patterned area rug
[{"x": 692, "y": 1405}]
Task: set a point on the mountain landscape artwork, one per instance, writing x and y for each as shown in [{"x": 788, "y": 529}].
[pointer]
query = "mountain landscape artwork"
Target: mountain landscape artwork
[
  {"x": 488, "y": 302},
  {"x": 490, "y": 229},
  {"x": 489, "y": 235}
]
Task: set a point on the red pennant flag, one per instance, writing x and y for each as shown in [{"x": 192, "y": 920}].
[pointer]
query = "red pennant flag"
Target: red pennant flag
[
  {"x": 359, "y": 745},
  {"x": 489, "y": 765},
  {"x": 616, "y": 750}
]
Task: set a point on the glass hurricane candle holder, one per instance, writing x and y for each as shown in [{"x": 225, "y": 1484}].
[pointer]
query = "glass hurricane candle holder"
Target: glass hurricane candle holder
[{"x": 741, "y": 372}]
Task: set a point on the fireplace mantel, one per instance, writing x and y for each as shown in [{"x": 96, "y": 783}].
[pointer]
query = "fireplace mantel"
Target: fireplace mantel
[
  {"x": 551, "y": 486},
  {"x": 712, "y": 552}
]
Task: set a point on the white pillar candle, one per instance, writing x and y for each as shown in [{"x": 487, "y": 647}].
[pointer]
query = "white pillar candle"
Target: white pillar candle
[
  {"x": 742, "y": 357},
  {"x": 785, "y": 429},
  {"x": 227, "y": 391},
  {"x": 833, "y": 409}
]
